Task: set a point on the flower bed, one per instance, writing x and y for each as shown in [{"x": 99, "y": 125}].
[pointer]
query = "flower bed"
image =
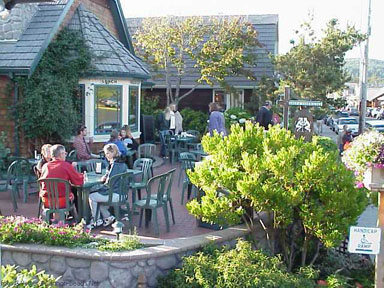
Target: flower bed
[{"x": 18, "y": 229}]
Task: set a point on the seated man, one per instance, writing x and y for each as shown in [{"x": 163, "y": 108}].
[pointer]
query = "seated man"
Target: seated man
[
  {"x": 83, "y": 151},
  {"x": 59, "y": 168},
  {"x": 114, "y": 139}
]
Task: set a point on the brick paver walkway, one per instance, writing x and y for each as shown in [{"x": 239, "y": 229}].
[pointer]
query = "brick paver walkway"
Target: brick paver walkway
[{"x": 185, "y": 223}]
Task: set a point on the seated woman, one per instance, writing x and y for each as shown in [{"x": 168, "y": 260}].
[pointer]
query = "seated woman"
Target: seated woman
[
  {"x": 114, "y": 139},
  {"x": 115, "y": 167},
  {"x": 45, "y": 157},
  {"x": 127, "y": 138}
]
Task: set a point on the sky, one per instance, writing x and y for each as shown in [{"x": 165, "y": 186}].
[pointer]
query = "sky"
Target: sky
[{"x": 291, "y": 14}]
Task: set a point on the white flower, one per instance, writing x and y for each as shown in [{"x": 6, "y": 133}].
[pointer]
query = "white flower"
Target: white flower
[
  {"x": 242, "y": 120},
  {"x": 233, "y": 116}
]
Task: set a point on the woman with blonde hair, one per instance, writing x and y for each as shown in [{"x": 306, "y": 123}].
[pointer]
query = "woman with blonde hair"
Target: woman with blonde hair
[
  {"x": 45, "y": 156},
  {"x": 115, "y": 167}
]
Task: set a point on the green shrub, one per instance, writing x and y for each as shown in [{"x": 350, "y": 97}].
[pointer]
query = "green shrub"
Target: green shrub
[
  {"x": 326, "y": 143},
  {"x": 353, "y": 267},
  {"x": 236, "y": 116},
  {"x": 11, "y": 278},
  {"x": 310, "y": 193},
  {"x": 194, "y": 120},
  {"x": 238, "y": 267},
  {"x": 149, "y": 105}
]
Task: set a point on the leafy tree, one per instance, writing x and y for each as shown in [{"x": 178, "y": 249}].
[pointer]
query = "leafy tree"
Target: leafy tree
[
  {"x": 375, "y": 71},
  {"x": 216, "y": 48},
  {"x": 309, "y": 192},
  {"x": 265, "y": 90},
  {"x": 48, "y": 108},
  {"x": 315, "y": 67}
]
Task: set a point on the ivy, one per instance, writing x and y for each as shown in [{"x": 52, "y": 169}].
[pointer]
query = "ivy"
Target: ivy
[{"x": 48, "y": 108}]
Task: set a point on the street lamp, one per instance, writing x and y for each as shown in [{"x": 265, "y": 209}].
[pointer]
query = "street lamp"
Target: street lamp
[{"x": 118, "y": 229}]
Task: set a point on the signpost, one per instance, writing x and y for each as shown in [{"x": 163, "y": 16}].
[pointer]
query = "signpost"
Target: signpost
[
  {"x": 303, "y": 125},
  {"x": 286, "y": 102},
  {"x": 364, "y": 240}
]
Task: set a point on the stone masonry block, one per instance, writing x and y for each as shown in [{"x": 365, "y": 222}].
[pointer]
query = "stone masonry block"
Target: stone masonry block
[
  {"x": 22, "y": 259},
  {"x": 99, "y": 271}
]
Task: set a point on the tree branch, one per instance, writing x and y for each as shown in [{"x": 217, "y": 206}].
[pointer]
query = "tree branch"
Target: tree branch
[{"x": 189, "y": 92}]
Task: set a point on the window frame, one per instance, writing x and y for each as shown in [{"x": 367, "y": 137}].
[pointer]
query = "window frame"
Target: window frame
[
  {"x": 136, "y": 126},
  {"x": 119, "y": 101}
]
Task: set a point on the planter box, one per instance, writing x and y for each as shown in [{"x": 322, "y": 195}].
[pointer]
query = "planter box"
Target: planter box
[{"x": 373, "y": 175}]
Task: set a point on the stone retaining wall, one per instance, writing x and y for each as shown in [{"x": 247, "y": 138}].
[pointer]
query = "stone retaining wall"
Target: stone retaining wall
[{"x": 92, "y": 268}]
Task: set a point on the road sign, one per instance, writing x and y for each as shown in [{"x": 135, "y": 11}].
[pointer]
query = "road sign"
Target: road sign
[
  {"x": 304, "y": 102},
  {"x": 364, "y": 240}
]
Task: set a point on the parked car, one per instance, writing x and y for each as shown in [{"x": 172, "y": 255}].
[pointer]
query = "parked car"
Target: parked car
[
  {"x": 354, "y": 112},
  {"x": 375, "y": 124},
  {"x": 107, "y": 127},
  {"x": 351, "y": 122}
]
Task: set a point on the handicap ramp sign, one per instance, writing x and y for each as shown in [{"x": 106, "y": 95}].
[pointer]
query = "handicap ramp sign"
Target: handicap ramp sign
[{"x": 364, "y": 240}]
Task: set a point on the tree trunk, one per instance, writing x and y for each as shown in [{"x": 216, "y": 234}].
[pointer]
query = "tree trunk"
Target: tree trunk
[{"x": 305, "y": 250}]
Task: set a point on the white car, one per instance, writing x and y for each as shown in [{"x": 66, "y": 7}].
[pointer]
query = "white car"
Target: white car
[
  {"x": 376, "y": 124},
  {"x": 352, "y": 124}
]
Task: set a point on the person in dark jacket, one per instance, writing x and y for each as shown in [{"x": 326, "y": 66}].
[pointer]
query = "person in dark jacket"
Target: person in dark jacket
[
  {"x": 264, "y": 116},
  {"x": 115, "y": 167}
]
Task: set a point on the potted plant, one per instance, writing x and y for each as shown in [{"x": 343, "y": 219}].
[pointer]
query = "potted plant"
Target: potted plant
[{"x": 365, "y": 156}]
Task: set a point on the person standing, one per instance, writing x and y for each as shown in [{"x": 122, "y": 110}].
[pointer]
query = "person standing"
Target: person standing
[
  {"x": 176, "y": 120},
  {"x": 339, "y": 141},
  {"x": 216, "y": 120},
  {"x": 83, "y": 152},
  {"x": 264, "y": 116}
]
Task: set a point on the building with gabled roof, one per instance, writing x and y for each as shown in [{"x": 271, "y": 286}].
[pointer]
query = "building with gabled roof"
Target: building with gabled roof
[
  {"x": 110, "y": 92},
  {"x": 267, "y": 28}
]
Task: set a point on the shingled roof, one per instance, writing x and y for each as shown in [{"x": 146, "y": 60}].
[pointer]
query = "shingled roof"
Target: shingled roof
[
  {"x": 267, "y": 28},
  {"x": 111, "y": 57},
  {"x": 22, "y": 56}
]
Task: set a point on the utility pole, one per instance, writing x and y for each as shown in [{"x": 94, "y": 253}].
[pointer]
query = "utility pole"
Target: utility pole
[{"x": 364, "y": 75}]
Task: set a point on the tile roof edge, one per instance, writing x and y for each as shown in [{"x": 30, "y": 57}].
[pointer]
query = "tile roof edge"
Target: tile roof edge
[{"x": 52, "y": 34}]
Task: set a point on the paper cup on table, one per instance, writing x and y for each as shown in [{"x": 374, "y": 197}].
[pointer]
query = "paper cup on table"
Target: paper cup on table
[{"x": 98, "y": 168}]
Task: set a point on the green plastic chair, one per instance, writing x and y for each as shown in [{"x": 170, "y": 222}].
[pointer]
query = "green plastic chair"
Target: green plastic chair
[
  {"x": 121, "y": 183},
  {"x": 145, "y": 165},
  {"x": 168, "y": 189},
  {"x": 155, "y": 184},
  {"x": 147, "y": 150},
  {"x": 188, "y": 161},
  {"x": 20, "y": 173},
  {"x": 184, "y": 156},
  {"x": 51, "y": 186},
  {"x": 170, "y": 147},
  {"x": 72, "y": 155}
]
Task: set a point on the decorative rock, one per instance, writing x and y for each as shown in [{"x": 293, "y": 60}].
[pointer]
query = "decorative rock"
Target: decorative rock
[
  {"x": 136, "y": 271},
  {"x": 151, "y": 262},
  {"x": 67, "y": 277},
  {"x": 81, "y": 274},
  {"x": 58, "y": 264},
  {"x": 6, "y": 258},
  {"x": 22, "y": 259},
  {"x": 153, "y": 279},
  {"x": 120, "y": 278},
  {"x": 142, "y": 263},
  {"x": 41, "y": 258},
  {"x": 166, "y": 262},
  {"x": 78, "y": 263},
  {"x": 123, "y": 265},
  {"x": 149, "y": 270},
  {"x": 99, "y": 271},
  {"x": 105, "y": 284}
]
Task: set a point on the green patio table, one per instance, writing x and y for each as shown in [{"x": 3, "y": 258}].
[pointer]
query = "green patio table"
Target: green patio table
[{"x": 83, "y": 192}]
